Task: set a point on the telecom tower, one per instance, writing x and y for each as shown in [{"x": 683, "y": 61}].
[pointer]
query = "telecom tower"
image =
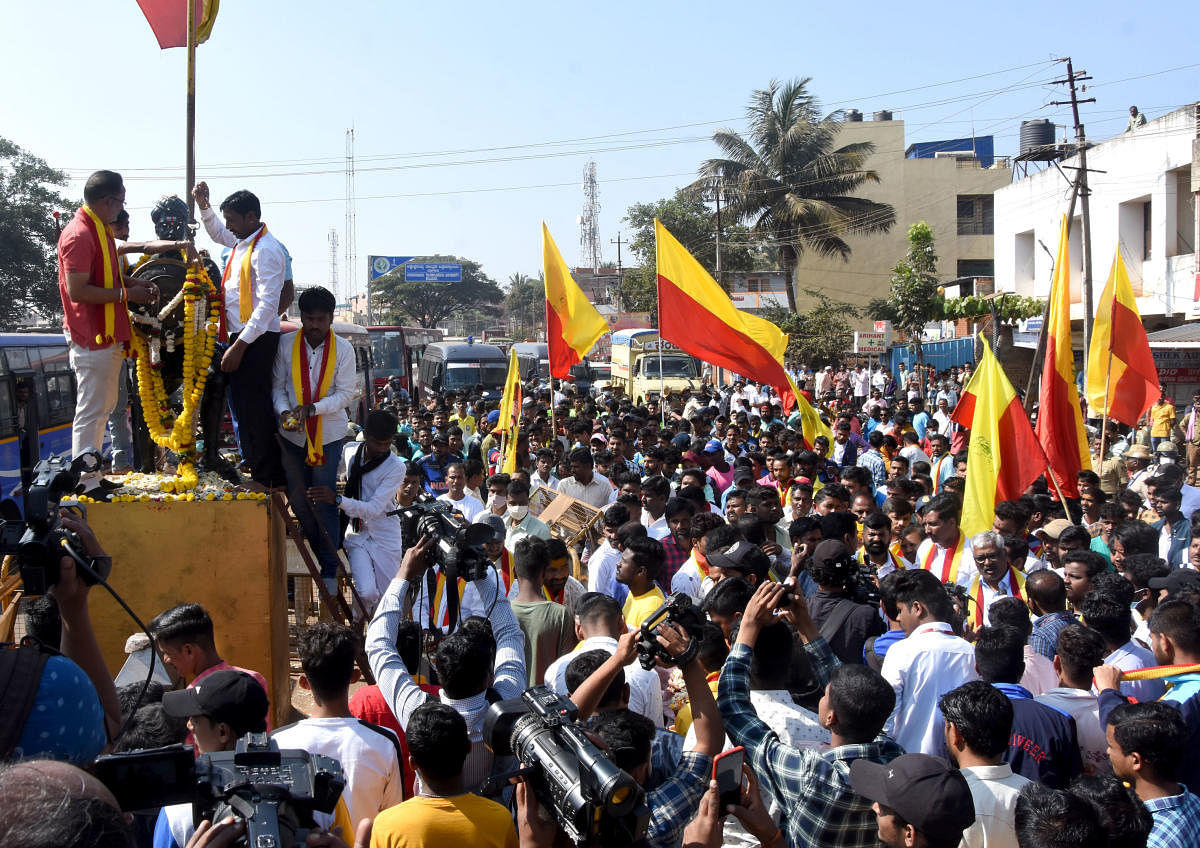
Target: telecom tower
[
  {"x": 589, "y": 221},
  {"x": 333, "y": 269},
  {"x": 350, "y": 246}
]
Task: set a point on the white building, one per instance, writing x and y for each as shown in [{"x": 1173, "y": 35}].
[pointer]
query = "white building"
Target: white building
[{"x": 1143, "y": 196}]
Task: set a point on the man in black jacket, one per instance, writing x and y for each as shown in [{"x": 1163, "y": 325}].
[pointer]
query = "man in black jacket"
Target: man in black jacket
[{"x": 845, "y": 623}]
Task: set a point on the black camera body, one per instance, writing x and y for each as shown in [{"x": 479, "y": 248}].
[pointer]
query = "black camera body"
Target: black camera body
[
  {"x": 459, "y": 544},
  {"x": 275, "y": 792},
  {"x": 593, "y": 801},
  {"x": 680, "y": 611},
  {"x": 37, "y": 542}
]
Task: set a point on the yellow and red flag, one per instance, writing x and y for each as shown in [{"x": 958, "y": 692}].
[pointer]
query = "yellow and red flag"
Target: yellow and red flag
[
  {"x": 1060, "y": 420},
  {"x": 573, "y": 325},
  {"x": 1132, "y": 386},
  {"x": 510, "y": 412},
  {"x": 168, "y": 20},
  {"x": 697, "y": 316},
  {"x": 1003, "y": 455},
  {"x": 810, "y": 420}
]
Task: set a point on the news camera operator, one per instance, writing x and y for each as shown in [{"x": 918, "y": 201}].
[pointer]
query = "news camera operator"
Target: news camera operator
[
  {"x": 72, "y": 690},
  {"x": 846, "y": 616},
  {"x": 475, "y": 663},
  {"x": 629, "y": 735}
]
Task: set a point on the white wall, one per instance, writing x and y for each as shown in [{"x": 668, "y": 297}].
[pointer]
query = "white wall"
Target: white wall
[{"x": 1137, "y": 168}]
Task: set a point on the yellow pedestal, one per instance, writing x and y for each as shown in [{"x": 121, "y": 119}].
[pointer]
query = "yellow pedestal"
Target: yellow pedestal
[{"x": 227, "y": 556}]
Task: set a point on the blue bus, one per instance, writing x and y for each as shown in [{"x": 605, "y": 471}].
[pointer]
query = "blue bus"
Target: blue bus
[{"x": 38, "y": 361}]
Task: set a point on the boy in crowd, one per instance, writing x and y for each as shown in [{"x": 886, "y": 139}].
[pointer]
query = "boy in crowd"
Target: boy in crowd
[{"x": 549, "y": 629}]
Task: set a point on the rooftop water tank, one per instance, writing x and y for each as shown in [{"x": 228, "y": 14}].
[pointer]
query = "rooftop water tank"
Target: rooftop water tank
[
  {"x": 853, "y": 115},
  {"x": 882, "y": 115},
  {"x": 1036, "y": 134}
]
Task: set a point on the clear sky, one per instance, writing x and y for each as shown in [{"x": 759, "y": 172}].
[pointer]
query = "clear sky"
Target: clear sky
[{"x": 474, "y": 121}]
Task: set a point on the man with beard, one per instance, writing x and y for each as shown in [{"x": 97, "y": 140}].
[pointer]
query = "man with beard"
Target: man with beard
[{"x": 875, "y": 556}]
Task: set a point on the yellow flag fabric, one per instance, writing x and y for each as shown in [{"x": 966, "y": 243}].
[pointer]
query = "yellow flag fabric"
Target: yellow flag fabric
[
  {"x": 573, "y": 325},
  {"x": 1119, "y": 339},
  {"x": 510, "y": 401},
  {"x": 810, "y": 420}
]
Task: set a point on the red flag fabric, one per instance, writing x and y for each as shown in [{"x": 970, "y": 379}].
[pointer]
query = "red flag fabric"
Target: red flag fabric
[
  {"x": 168, "y": 20},
  {"x": 1060, "y": 419}
]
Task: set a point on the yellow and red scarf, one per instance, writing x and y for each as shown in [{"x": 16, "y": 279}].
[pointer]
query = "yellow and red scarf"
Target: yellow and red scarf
[
  {"x": 1013, "y": 581},
  {"x": 435, "y": 603},
  {"x": 951, "y": 559},
  {"x": 112, "y": 273},
  {"x": 244, "y": 288},
  {"x": 307, "y": 394}
]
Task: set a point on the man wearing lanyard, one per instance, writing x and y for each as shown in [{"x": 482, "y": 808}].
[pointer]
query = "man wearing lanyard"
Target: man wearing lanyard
[
  {"x": 946, "y": 553},
  {"x": 312, "y": 384},
  {"x": 251, "y": 286}
]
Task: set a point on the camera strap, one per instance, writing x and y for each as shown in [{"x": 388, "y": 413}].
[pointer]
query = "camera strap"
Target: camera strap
[
  {"x": 20, "y": 675},
  {"x": 841, "y": 612}
]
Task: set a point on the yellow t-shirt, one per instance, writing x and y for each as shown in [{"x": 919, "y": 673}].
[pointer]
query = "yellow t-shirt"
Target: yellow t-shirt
[
  {"x": 442, "y": 822},
  {"x": 640, "y": 607},
  {"x": 1162, "y": 418}
]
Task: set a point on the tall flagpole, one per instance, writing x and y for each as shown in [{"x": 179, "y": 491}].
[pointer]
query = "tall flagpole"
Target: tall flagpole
[
  {"x": 1107, "y": 377},
  {"x": 662, "y": 383},
  {"x": 190, "y": 156},
  {"x": 553, "y": 426}
]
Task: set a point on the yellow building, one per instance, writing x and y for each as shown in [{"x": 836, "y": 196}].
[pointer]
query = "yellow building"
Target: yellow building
[{"x": 950, "y": 190}]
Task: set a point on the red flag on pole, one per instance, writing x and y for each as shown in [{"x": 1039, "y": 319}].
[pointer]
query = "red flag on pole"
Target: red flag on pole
[{"x": 168, "y": 20}]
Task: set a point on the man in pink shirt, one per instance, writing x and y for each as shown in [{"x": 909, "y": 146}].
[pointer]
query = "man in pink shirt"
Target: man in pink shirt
[{"x": 183, "y": 636}]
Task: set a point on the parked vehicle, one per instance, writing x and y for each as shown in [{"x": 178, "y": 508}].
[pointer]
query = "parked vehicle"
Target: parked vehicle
[
  {"x": 459, "y": 366},
  {"x": 637, "y": 356}
]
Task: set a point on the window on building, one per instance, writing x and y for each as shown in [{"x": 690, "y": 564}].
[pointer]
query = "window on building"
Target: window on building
[
  {"x": 1024, "y": 263},
  {"x": 975, "y": 215},
  {"x": 1146, "y": 230},
  {"x": 752, "y": 284}
]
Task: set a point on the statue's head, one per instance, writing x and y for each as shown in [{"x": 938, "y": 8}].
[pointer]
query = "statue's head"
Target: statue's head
[{"x": 170, "y": 217}]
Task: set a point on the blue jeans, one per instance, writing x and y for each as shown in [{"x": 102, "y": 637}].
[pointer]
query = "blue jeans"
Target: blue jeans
[{"x": 314, "y": 517}]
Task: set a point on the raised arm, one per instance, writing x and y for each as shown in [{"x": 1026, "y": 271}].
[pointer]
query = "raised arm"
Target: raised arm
[
  {"x": 587, "y": 696},
  {"x": 397, "y": 686}
]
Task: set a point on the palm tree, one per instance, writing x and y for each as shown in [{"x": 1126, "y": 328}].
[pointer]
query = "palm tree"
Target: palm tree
[{"x": 789, "y": 183}]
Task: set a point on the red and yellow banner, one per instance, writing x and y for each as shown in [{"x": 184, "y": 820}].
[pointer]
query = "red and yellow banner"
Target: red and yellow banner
[
  {"x": 168, "y": 20},
  {"x": 510, "y": 412},
  {"x": 1003, "y": 454},
  {"x": 1124, "y": 385},
  {"x": 573, "y": 325},
  {"x": 1060, "y": 420}
]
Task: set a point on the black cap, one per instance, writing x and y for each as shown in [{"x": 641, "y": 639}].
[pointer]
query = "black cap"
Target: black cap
[
  {"x": 439, "y": 439},
  {"x": 231, "y": 696},
  {"x": 1177, "y": 581},
  {"x": 831, "y": 552},
  {"x": 741, "y": 556},
  {"x": 923, "y": 790}
]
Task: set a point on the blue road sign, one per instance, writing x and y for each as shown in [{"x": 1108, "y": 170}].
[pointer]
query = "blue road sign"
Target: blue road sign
[
  {"x": 433, "y": 272},
  {"x": 380, "y": 265}
]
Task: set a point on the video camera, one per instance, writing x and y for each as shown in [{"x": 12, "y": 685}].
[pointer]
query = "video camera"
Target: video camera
[
  {"x": 678, "y": 610},
  {"x": 459, "y": 544},
  {"x": 274, "y": 792},
  {"x": 38, "y": 541},
  {"x": 593, "y": 801}
]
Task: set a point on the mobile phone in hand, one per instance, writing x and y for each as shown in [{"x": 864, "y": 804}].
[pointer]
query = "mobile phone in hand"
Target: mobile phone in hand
[{"x": 727, "y": 772}]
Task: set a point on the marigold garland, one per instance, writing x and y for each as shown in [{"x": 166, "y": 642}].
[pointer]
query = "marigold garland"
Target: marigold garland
[{"x": 201, "y": 312}]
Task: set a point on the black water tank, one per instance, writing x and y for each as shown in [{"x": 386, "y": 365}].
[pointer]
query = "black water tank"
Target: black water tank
[
  {"x": 853, "y": 116},
  {"x": 1035, "y": 134},
  {"x": 882, "y": 115}
]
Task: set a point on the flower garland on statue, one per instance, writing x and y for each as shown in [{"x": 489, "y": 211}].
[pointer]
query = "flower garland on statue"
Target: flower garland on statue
[{"x": 201, "y": 312}]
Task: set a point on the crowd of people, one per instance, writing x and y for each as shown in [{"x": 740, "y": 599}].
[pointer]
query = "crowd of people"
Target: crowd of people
[{"x": 885, "y": 678}]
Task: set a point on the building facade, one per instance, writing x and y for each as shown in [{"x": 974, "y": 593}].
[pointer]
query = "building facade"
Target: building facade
[
  {"x": 1143, "y": 189},
  {"x": 947, "y": 188}
]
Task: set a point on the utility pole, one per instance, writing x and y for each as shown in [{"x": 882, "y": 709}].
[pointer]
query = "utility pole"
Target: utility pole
[
  {"x": 1085, "y": 229},
  {"x": 720, "y": 282},
  {"x": 617, "y": 241}
]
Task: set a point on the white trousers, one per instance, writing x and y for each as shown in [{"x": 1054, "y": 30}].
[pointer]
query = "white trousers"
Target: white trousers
[
  {"x": 372, "y": 568},
  {"x": 96, "y": 373}
]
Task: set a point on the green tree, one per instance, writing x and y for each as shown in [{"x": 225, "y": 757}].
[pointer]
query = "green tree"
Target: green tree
[
  {"x": 689, "y": 219},
  {"x": 28, "y": 237},
  {"x": 638, "y": 291},
  {"x": 788, "y": 181},
  {"x": 429, "y": 304},
  {"x": 822, "y": 335},
  {"x": 525, "y": 303},
  {"x": 915, "y": 297}
]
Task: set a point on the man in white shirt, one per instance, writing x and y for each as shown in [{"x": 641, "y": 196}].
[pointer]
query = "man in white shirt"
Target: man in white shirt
[
  {"x": 310, "y": 407},
  {"x": 369, "y": 754},
  {"x": 979, "y": 721},
  {"x": 598, "y": 623},
  {"x": 372, "y": 538},
  {"x": 468, "y": 506},
  {"x": 252, "y": 284},
  {"x": 926, "y": 664},
  {"x": 519, "y": 522},
  {"x": 584, "y": 483},
  {"x": 543, "y": 472},
  {"x": 656, "y": 491},
  {"x": 602, "y": 565}
]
